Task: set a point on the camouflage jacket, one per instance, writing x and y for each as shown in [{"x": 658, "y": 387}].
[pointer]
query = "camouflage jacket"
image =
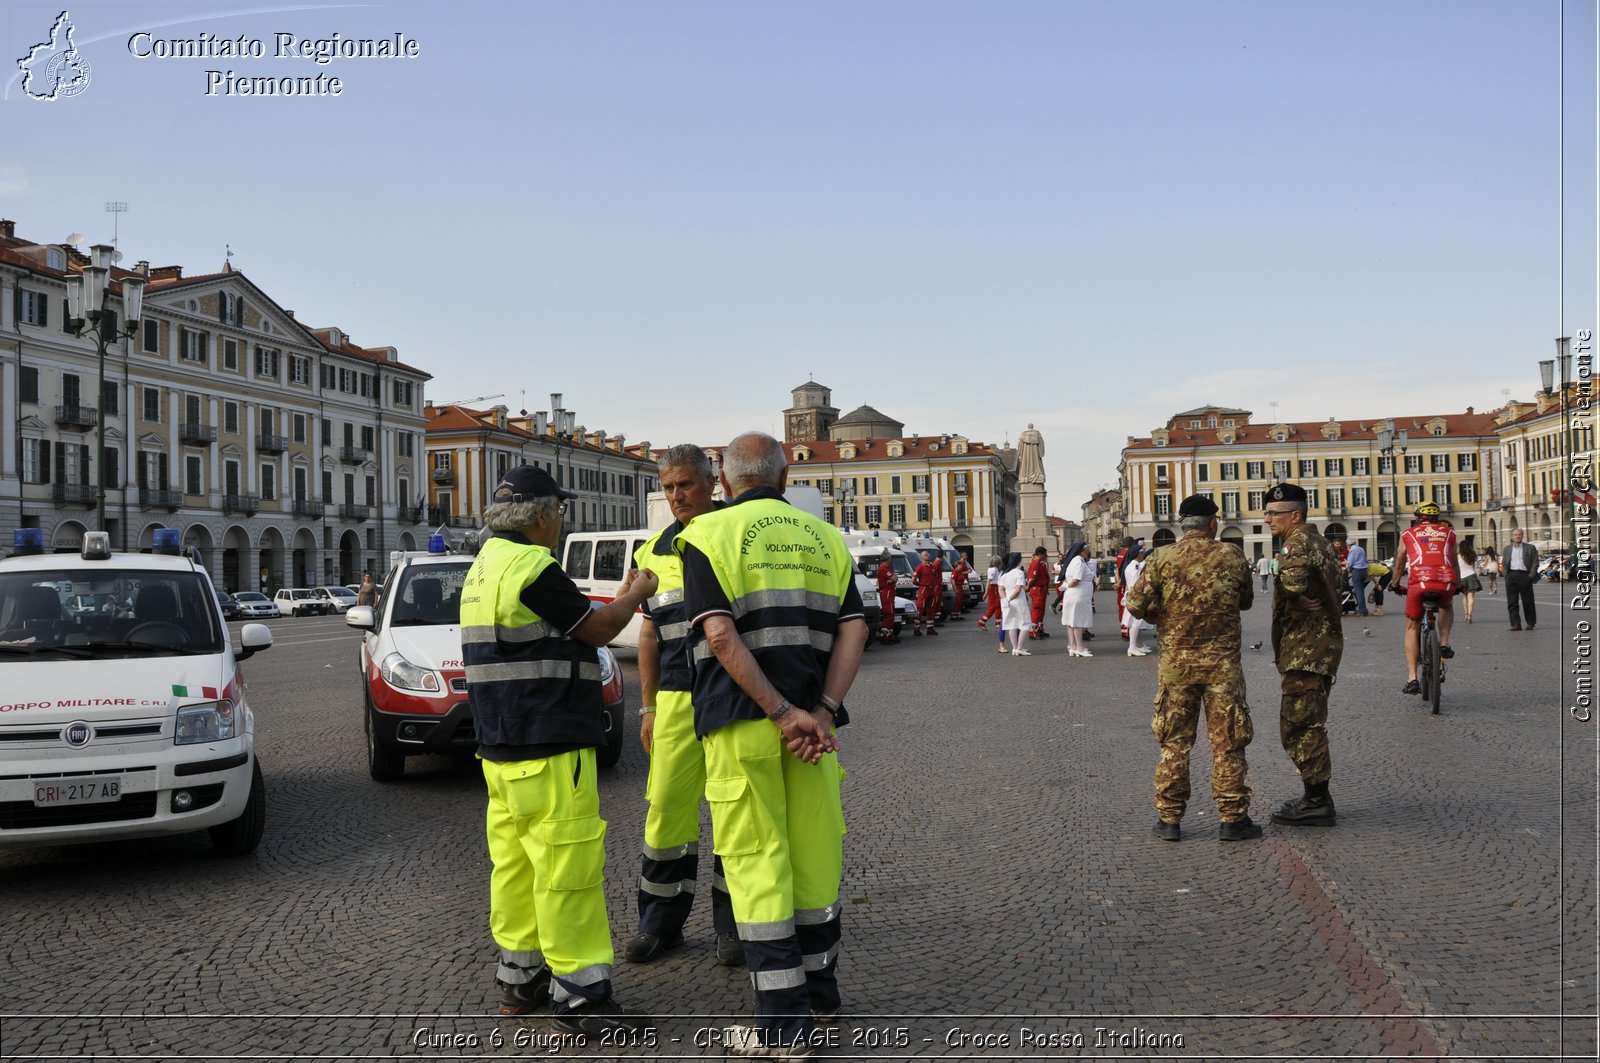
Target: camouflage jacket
[
  {"x": 1193, "y": 591},
  {"x": 1302, "y": 641}
]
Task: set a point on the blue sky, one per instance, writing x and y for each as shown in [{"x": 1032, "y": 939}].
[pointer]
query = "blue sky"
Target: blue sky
[{"x": 1082, "y": 215}]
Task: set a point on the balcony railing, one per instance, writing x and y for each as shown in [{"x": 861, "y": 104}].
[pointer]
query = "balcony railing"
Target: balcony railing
[
  {"x": 267, "y": 443},
  {"x": 77, "y": 416},
  {"x": 1163, "y": 518},
  {"x": 354, "y": 455},
  {"x": 460, "y": 521},
  {"x": 443, "y": 475},
  {"x": 1335, "y": 510},
  {"x": 74, "y": 494},
  {"x": 160, "y": 498},
  {"x": 1230, "y": 514},
  {"x": 352, "y": 511},
  {"x": 194, "y": 432},
  {"x": 409, "y": 515},
  {"x": 306, "y": 507},
  {"x": 248, "y": 504}
]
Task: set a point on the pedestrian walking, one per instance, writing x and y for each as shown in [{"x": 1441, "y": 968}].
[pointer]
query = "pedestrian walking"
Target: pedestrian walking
[
  {"x": 367, "y": 593},
  {"x": 1137, "y": 626},
  {"x": 887, "y": 604},
  {"x": 1014, "y": 601},
  {"x": 991, "y": 593},
  {"x": 1355, "y": 563},
  {"x": 958, "y": 583},
  {"x": 1520, "y": 567},
  {"x": 775, "y": 646},
  {"x": 1077, "y": 611},
  {"x": 1489, "y": 568},
  {"x": 530, "y": 642},
  {"x": 676, "y": 783},
  {"x": 1470, "y": 585},
  {"x": 1307, "y": 644},
  {"x": 1195, "y": 590},
  {"x": 1120, "y": 583},
  {"x": 1264, "y": 569}
]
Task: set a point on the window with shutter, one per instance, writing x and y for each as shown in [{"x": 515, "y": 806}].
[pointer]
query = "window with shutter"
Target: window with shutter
[{"x": 29, "y": 384}]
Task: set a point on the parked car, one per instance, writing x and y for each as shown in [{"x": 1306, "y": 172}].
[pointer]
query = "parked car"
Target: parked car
[
  {"x": 136, "y": 723},
  {"x": 414, "y": 676},
  {"x": 338, "y": 598},
  {"x": 229, "y": 607},
  {"x": 254, "y": 604},
  {"x": 301, "y": 601}
]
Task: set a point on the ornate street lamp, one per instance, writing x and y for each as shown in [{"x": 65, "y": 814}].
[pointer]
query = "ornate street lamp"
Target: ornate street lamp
[
  {"x": 1547, "y": 377},
  {"x": 89, "y": 312}
]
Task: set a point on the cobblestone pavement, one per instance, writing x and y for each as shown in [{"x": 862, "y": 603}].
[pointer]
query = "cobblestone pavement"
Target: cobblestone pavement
[{"x": 1004, "y": 897}]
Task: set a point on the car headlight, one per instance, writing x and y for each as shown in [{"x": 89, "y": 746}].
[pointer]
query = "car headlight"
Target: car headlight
[
  {"x": 403, "y": 675},
  {"x": 210, "y": 722},
  {"x": 608, "y": 666}
]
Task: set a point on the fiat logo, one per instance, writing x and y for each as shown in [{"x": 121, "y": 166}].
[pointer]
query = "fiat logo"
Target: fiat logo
[{"x": 77, "y": 735}]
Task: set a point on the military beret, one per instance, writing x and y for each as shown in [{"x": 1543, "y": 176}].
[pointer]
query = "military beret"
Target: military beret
[
  {"x": 1197, "y": 506},
  {"x": 1287, "y": 493}
]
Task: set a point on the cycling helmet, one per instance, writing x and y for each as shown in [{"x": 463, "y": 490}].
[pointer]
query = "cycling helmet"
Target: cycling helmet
[{"x": 1427, "y": 510}]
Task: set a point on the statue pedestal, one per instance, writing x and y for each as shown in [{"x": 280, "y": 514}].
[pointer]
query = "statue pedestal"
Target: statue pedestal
[{"x": 1033, "y": 525}]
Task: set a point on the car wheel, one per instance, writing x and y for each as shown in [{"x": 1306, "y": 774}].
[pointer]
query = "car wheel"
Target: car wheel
[
  {"x": 611, "y": 751},
  {"x": 241, "y": 836},
  {"x": 384, "y": 765}
]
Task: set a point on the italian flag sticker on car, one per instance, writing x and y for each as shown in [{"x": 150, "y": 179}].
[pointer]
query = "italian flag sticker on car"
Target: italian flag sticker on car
[{"x": 183, "y": 692}]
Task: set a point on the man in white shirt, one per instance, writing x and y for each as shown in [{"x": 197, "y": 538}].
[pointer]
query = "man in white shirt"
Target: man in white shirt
[{"x": 1519, "y": 564}]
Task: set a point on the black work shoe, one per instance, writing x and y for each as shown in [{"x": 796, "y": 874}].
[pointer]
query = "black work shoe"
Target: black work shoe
[
  {"x": 1167, "y": 832},
  {"x": 1446, "y": 652},
  {"x": 1411, "y": 687},
  {"x": 825, "y": 1017},
  {"x": 595, "y": 1019},
  {"x": 1305, "y": 812},
  {"x": 525, "y": 997},
  {"x": 730, "y": 950},
  {"x": 1239, "y": 830},
  {"x": 642, "y": 948}
]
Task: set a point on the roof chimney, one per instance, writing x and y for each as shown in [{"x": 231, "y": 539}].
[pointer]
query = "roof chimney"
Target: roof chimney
[
  {"x": 8, "y": 228},
  {"x": 142, "y": 267},
  {"x": 167, "y": 273}
]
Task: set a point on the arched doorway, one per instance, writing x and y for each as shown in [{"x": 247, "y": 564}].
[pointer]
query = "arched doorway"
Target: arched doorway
[
  {"x": 408, "y": 541},
  {"x": 269, "y": 573},
  {"x": 307, "y": 573},
  {"x": 1388, "y": 540},
  {"x": 198, "y": 538},
  {"x": 1494, "y": 534},
  {"x": 235, "y": 559},
  {"x": 350, "y": 558},
  {"x": 68, "y": 537},
  {"x": 1336, "y": 531},
  {"x": 1233, "y": 536},
  {"x": 147, "y": 537},
  {"x": 963, "y": 544},
  {"x": 1163, "y": 537}
]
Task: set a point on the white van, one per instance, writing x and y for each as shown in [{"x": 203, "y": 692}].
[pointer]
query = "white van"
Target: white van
[
  {"x": 123, "y": 724},
  {"x": 598, "y": 562}
]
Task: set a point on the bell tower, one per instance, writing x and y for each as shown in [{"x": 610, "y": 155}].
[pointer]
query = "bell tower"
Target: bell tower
[{"x": 808, "y": 420}]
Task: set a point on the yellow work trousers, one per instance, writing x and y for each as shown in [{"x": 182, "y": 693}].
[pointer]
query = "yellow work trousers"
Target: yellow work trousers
[{"x": 547, "y": 842}]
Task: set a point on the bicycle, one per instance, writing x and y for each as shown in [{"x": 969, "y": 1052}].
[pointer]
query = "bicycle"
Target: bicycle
[{"x": 1430, "y": 660}]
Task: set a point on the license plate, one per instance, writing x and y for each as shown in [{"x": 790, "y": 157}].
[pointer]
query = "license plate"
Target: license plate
[{"x": 90, "y": 791}]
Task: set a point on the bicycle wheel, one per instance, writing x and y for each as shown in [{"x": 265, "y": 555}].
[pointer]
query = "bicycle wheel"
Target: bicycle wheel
[
  {"x": 1435, "y": 671},
  {"x": 1425, "y": 660}
]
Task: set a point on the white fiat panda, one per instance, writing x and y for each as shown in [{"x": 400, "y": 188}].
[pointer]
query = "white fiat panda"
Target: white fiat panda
[{"x": 123, "y": 722}]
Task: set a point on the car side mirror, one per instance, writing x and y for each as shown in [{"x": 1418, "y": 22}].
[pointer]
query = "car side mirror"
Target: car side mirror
[
  {"x": 360, "y": 616},
  {"x": 253, "y": 638}
]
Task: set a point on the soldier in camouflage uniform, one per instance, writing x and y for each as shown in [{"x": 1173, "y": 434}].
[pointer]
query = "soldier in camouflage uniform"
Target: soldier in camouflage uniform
[
  {"x": 1307, "y": 643},
  {"x": 1193, "y": 591}
]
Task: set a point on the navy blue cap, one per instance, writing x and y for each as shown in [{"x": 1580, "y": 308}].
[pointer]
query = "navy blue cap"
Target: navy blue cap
[{"x": 527, "y": 482}]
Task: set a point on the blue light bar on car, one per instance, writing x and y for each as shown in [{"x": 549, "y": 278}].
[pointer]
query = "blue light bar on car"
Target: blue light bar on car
[
  {"x": 26, "y": 541},
  {"x": 167, "y": 541}
]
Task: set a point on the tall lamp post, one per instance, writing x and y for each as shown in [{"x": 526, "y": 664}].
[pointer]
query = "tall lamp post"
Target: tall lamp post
[
  {"x": 89, "y": 312},
  {"x": 1547, "y": 377},
  {"x": 562, "y": 420},
  {"x": 1390, "y": 441},
  {"x": 846, "y": 496}
]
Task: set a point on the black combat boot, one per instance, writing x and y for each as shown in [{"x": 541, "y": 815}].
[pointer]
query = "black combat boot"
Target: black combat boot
[{"x": 1315, "y": 809}]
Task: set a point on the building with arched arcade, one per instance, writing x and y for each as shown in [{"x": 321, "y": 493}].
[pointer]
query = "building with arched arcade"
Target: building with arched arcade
[
  {"x": 1355, "y": 488},
  {"x": 287, "y": 455}
]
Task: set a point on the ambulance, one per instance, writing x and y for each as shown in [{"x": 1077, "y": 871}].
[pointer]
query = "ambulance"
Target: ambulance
[{"x": 129, "y": 722}]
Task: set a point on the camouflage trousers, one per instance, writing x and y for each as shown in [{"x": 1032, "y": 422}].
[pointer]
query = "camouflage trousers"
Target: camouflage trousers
[
  {"x": 1303, "y": 724},
  {"x": 1176, "y": 719}
]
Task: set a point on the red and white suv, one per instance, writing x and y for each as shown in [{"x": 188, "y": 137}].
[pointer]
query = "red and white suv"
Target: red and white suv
[{"x": 414, "y": 675}]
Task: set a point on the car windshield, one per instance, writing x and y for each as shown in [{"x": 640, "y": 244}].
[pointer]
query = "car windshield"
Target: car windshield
[
  {"x": 107, "y": 613},
  {"x": 339, "y": 592},
  {"x": 428, "y": 594},
  {"x": 250, "y": 596},
  {"x": 901, "y": 564}
]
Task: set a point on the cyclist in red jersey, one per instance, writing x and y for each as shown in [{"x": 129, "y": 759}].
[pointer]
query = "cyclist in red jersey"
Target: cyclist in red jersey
[{"x": 1426, "y": 562}]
